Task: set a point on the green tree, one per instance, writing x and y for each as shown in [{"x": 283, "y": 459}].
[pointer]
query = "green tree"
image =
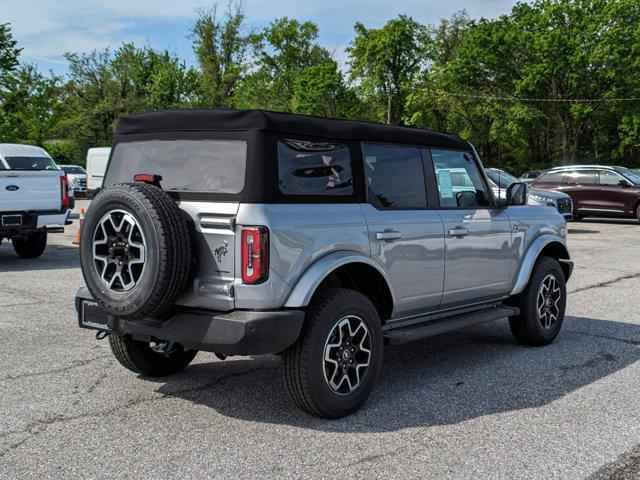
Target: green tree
[
  {"x": 9, "y": 51},
  {"x": 556, "y": 52},
  {"x": 386, "y": 61},
  {"x": 321, "y": 90},
  {"x": 104, "y": 86},
  {"x": 31, "y": 104},
  {"x": 281, "y": 52},
  {"x": 221, "y": 48}
]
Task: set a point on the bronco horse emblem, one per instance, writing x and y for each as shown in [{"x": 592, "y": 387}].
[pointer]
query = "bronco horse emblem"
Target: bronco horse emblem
[{"x": 221, "y": 251}]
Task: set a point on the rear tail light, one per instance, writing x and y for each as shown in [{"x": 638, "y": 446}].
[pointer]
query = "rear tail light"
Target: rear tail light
[
  {"x": 64, "y": 191},
  {"x": 255, "y": 254}
]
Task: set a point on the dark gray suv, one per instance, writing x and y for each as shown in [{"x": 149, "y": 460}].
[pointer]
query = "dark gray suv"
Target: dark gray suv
[{"x": 252, "y": 232}]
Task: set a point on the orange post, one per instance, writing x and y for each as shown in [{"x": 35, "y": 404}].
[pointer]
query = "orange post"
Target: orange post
[{"x": 76, "y": 241}]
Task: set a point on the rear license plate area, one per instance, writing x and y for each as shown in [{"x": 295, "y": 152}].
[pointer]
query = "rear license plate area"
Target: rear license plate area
[
  {"x": 94, "y": 317},
  {"x": 11, "y": 220}
]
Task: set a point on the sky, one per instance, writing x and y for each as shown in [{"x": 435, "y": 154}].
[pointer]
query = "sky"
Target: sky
[{"x": 46, "y": 29}]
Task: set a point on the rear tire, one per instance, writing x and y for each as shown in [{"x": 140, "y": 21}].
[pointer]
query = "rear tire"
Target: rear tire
[
  {"x": 542, "y": 305},
  {"x": 138, "y": 357},
  {"x": 328, "y": 371},
  {"x": 32, "y": 246}
]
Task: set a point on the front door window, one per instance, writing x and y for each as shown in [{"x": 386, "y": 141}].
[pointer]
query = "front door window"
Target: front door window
[{"x": 460, "y": 184}]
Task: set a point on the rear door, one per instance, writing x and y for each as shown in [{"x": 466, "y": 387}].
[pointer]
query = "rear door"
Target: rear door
[
  {"x": 582, "y": 185},
  {"x": 405, "y": 235},
  {"x": 479, "y": 256},
  {"x": 193, "y": 172},
  {"x": 96, "y": 166}
]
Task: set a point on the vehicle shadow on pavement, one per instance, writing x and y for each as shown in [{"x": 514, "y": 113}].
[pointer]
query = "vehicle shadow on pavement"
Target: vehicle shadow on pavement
[
  {"x": 438, "y": 381},
  {"x": 609, "y": 221},
  {"x": 581, "y": 231},
  {"x": 54, "y": 257}
]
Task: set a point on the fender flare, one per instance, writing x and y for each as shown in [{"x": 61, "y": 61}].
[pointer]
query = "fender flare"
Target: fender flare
[
  {"x": 311, "y": 279},
  {"x": 530, "y": 257}
]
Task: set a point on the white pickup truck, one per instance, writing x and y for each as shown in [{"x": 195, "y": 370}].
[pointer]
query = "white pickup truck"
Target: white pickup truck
[{"x": 34, "y": 198}]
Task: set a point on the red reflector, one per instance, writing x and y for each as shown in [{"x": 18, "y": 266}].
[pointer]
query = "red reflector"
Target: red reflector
[
  {"x": 255, "y": 254},
  {"x": 147, "y": 178},
  {"x": 64, "y": 191}
]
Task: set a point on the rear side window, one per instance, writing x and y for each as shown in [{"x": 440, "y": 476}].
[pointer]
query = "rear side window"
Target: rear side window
[
  {"x": 552, "y": 177},
  {"x": 395, "y": 176},
  {"x": 582, "y": 177},
  {"x": 314, "y": 168},
  {"x": 212, "y": 166}
]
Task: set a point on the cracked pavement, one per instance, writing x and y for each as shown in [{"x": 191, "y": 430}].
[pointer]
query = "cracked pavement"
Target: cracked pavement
[{"x": 470, "y": 404}]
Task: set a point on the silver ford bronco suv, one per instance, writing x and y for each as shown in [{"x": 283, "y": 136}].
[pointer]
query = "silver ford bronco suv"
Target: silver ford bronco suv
[{"x": 253, "y": 232}]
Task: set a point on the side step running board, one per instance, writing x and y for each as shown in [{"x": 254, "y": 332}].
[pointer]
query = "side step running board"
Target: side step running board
[{"x": 444, "y": 325}]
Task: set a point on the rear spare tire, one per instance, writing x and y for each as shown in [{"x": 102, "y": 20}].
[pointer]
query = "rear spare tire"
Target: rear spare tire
[{"x": 135, "y": 250}]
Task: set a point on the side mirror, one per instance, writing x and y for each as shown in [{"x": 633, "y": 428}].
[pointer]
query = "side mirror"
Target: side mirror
[
  {"x": 517, "y": 194},
  {"x": 623, "y": 184}
]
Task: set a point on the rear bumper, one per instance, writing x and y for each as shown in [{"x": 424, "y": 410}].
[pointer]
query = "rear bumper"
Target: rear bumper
[
  {"x": 33, "y": 221},
  {"x": 239, "y": 332}
]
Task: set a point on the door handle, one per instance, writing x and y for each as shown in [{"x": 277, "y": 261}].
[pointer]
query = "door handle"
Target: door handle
[
  {"x": 459, "y": 232},
  {"x": 388, "y": 235}
]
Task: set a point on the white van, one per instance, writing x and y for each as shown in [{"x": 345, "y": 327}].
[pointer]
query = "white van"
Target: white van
[{"x": 97, "y": 159}]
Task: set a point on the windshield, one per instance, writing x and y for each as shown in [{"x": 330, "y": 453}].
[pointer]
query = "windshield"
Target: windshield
[
  {"x": 631, "y": 175},
  {"x": 216, "y": 166},
  {"x": 73, "y": 169},
  {"x": 500, "y": 178},
  {"x": 31, "y": 163}
]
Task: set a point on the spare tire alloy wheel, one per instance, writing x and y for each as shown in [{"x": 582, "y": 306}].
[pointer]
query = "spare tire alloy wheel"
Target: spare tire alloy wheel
[
  {"x": 347, "y": 354},
  {"x": 119, "y": 251}
]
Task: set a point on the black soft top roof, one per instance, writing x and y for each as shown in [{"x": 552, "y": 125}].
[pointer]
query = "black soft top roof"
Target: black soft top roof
[{"x": 230, "y": 120}]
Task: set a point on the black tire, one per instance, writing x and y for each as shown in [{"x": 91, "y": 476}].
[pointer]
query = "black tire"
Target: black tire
[
  {"x": 638, "y": 213},
  {"x": 527, "y": 327},
  {"x": 138, "y": 357},
  {"x": 31, "y": 246},
  {"x": 304, "y": 365},
  {"x": 168, "y": 250}
]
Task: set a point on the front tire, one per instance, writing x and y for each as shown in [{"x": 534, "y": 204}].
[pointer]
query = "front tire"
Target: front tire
[
  {"x": 31, "y": 246},
  {"x": 542, "y": 305},
  {"x": 140, "y": 358},
  {"x": 332, "y": 368}
]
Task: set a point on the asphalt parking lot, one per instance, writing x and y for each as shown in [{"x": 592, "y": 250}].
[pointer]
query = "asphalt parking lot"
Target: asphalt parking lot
[{"x": 470, "y": 404}]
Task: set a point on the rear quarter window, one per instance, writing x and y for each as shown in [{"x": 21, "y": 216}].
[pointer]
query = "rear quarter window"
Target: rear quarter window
[
  {"x": 314, "y": 168},
  {"x": 552, "y": 177}
]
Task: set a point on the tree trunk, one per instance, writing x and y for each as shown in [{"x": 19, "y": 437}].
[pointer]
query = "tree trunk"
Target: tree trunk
[
  {"x": 389, "y": 106},
  {"x": 564, "y": 141}
]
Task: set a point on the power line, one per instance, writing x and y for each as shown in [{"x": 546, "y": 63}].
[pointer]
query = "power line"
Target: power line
[{"x": 540, "y": 100}]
